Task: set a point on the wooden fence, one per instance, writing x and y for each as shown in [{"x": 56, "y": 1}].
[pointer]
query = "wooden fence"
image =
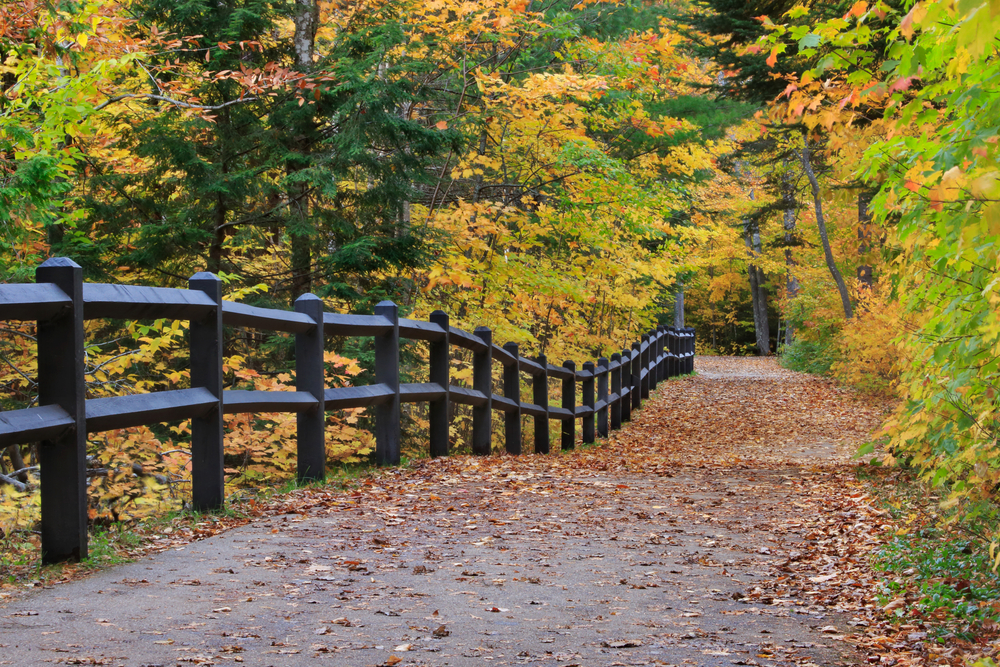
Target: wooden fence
[{"x": 59, "y": 302}]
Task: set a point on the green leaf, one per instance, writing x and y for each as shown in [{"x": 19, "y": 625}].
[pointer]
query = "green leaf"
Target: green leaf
[
  {"x": 864, "y": 449},
  {"x": 810, "y": 41}
]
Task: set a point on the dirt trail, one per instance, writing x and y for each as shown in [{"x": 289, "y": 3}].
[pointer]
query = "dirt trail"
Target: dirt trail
[{"x": 691, "y": 538}]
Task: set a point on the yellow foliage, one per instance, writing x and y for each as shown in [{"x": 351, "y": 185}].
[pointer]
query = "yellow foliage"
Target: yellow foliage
[{"x": 870, "y": 354}]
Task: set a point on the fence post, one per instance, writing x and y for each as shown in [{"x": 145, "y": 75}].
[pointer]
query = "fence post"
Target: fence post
[
  {"x": 440, "y": 373},
  {"x": 387, "y": 414},
  {"x": 588, "y": 402},
  {"x": 512, "y": 392},
  {"x": 616, "y": 388},
  {"x": 676, "y": 349},
  {"x": 661, "y": 367},
  {"x": 644, "y": 363},
  {"x": 310, "y": 377},
  {"x": 208, "y": 484},
  {"x": 540, "y": 397},
  {"x": 61, "y": 382},
  {"x": 636, "y": 393},
  {"x": 694, "y": 340},
  {"x": 689, "y": 362},
  {"x": 652, "y": 363},
  {"x": 482, "y": 381},
  {"x": 671, "y": 353},
  {"x": 602, "y": 395},
  {"x": 625, "y": 381},
  {"x": 678, "y": 352},
  {"x": 679, "y": 364},
  {"x": 569, "y": 403}
]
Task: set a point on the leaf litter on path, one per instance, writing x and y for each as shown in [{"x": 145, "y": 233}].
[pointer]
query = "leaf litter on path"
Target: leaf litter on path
[{"x": 730, "y": 497}]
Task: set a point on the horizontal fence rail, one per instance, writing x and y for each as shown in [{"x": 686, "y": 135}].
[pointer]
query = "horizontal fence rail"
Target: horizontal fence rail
[{"x": 610, "y": 389}]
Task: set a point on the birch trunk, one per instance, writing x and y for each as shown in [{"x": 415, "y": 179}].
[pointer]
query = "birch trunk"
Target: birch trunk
[{"x": 306, "y": 22}]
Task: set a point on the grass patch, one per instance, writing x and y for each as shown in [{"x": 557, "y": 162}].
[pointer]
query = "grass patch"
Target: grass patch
[
  {"x": 19, "y": 557},
  {"x": 112, "y": 545},
  {"x": 942, "y": 578},
  {"x": 808, "y": 357}
]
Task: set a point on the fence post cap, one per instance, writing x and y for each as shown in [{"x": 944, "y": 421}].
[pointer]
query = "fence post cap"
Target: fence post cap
[
  {"x": 482, "y": 329},
  {"x": 59, "y": 262},
  {"x": 439, "y": 313},
  {"x": 308, "y": 296},
  {"x": 385, "y": 304},
  {"x": 205, "y": 275}
]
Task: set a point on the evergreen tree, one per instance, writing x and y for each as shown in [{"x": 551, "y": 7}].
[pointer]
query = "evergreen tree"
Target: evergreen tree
[
  {"x": 203, "y": 176},
  {"x": 319, "y": 169}
]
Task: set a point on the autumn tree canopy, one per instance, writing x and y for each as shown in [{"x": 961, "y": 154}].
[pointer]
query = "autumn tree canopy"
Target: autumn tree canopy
[{"x": 810, "y": 179}]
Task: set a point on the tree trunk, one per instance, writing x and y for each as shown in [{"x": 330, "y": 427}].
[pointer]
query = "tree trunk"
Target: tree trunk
[
  {"x": 845, "y": 298},
  {"x": 788, "y": 222},
  {"x": 866, "y": 276},
  {"x": 679, "y": 305},
  {"x": 218, "y": 236},
  {"x": 306, "y": 22},
  {"x": 758, "y": 290},
  {"x": 17, "y": 461}
]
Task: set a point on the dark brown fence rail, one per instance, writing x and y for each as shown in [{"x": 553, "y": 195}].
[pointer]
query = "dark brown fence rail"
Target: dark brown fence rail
[{"x": 60, "y": 302}]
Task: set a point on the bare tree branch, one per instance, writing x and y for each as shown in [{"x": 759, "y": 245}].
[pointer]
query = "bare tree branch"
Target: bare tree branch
[{"x": 169, "y": 100}]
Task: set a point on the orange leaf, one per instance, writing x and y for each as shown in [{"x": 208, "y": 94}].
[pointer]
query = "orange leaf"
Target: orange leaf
[
  {"x": 441, "y": 125},
  {"x": 772, "y": 59},
  {"x": 858, "y": 9}
]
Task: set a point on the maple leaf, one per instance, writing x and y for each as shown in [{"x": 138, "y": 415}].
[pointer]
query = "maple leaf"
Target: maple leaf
[{"x": 772, "y": 59}]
